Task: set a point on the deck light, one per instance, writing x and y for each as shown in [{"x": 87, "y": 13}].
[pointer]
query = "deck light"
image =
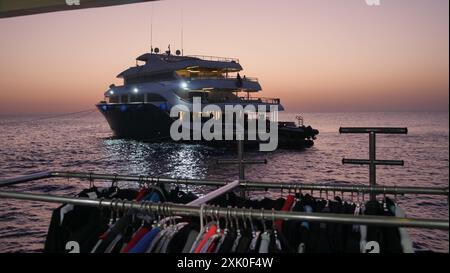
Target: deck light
[
  {"x": 184, "y": 85},
  {"x": 135, "y": 90},
  {"x": 111, "y": 92}
]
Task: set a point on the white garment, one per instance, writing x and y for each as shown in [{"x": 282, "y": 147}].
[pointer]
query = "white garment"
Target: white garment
[
  {"x": 363, "y": 231},
  {"x": 404, "y": 236},
  {"x": 363, "y": 242}
]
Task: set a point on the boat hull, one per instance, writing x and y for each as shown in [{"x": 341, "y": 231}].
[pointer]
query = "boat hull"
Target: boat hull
[
  {"x": 137, "y": 121},
  {"x": 150, "y": 123}
]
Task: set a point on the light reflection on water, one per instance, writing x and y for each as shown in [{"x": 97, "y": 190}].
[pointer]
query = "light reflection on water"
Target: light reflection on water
[{"x": 85, "y": 145}]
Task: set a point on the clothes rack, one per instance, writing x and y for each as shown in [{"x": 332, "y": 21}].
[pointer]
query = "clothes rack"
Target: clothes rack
[{"x": 183, "y": 210}]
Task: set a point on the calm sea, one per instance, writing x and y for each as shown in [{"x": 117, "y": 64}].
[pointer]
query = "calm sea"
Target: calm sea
[{"x": 83, "y": 143}]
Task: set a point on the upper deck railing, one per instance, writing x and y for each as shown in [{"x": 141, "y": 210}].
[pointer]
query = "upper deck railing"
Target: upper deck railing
[
  {"x": 245, "y": 100},
  {"x": 215, "y": 58},
  {"x": 260, "y": 100},
  {"x": 229, "y": 77}
]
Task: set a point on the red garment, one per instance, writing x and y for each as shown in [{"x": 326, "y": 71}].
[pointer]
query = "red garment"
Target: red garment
[
  {"x": 212, "y": 230},
  {"x": 103, "y": 236},
  {"x": 286, "y": 207},
  {"x": 212, "y": 246},
  {"x": 141, "y": 194},
  {"x": 137, "y": 236}
]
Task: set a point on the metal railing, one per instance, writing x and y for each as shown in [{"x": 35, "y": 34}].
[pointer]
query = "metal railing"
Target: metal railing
[
  {"x": 225, "y": 77},
  {"x": 260, "y": 100},
  {"x": 215, "y": 58},
  {"x": 235, "y": 99}
]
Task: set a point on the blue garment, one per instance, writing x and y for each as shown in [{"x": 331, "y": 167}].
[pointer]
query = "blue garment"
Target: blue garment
[
  {"x": 145, "y": 241},
  {"x": 153, "y": 197}
]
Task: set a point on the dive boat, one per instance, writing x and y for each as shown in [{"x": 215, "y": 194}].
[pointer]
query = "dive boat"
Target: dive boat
[{"x": 140, "y": 108}]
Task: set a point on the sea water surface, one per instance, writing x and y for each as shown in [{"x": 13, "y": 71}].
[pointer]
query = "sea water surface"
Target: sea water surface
[{"x": 83, "y": 143}]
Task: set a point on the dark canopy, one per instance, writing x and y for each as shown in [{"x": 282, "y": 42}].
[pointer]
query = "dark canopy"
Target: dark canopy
[{"x": 12, "y": 8}]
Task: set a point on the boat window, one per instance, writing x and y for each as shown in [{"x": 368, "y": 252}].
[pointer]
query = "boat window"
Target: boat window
[
  {"x": 151, "y": 78},
  {"x": 113, "y": 99},
  {"x": 203, "y": 95},
  {"x": 124, "y": 98},
  {"x": 222, "y": 96},
  {"x": 201, "y": 73},
  {"x": 137, "y": 98},
  {"x": 155, "y": 97}
]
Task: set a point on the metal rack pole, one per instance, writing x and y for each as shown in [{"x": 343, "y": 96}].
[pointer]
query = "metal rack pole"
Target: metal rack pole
[
  {"x": 244, "y": 184},
  {"x": 265, "y": 185},
  {"x": 24, "y": 178},
  {"x": 183, "y": 210},
  {"x": 349, "y": 188}
]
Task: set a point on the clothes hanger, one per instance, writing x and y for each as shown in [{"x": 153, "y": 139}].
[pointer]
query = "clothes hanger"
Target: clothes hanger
[
  {"x": 251, "y": 222},
  {"x": 385, "y": 208},
  {"x": 274, "y": 228},
  {"x": 141, "y": 208},
  {"x": 358, "y": 204},
  {"x": 238, "y": 228},
  {"x": 114, "y": 188},
  {"x": 244, "y": 222},
  {"x": 167, "y": 219},
  {"x": 262, "y": 221},
  {"x": 217, "y": 218},
  {"x": 229, "y": 217},
  {"x": 211, "y": 217},
  {"x": 363, "y": 204},
  {"x": 327, "y": 204},
  {"x": 171, "y": 220},
  {"x": 226, "y": 221},
  {"x": 202, "y": 228},
  {"x": 111, "y": 218}
]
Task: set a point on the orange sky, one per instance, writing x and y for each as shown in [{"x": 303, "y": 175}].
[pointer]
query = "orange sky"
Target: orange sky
[{"x": 316, "y": 55}]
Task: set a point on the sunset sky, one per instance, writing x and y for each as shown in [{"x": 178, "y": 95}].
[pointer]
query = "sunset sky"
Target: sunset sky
[{"x": 316, "y": 55}]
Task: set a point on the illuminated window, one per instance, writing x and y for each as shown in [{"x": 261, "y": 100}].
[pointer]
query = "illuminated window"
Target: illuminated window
[{"x": 114, "y": 99}]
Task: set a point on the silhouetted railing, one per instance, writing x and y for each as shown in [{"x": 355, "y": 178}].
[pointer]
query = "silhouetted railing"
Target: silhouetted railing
[{"x": 215, "y": 59}]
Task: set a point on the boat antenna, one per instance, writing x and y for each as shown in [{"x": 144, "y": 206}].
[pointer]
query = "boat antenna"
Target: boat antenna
[
  {"x": 151, "y": 32},
  {"x": 182, "y": 33}
]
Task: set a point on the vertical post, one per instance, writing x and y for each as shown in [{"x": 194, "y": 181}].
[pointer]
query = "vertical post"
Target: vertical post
[
  {"x": 372, "y": 166},
  {"x": 241, "y": 165},
  {"x": 241, "y": 159}
]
